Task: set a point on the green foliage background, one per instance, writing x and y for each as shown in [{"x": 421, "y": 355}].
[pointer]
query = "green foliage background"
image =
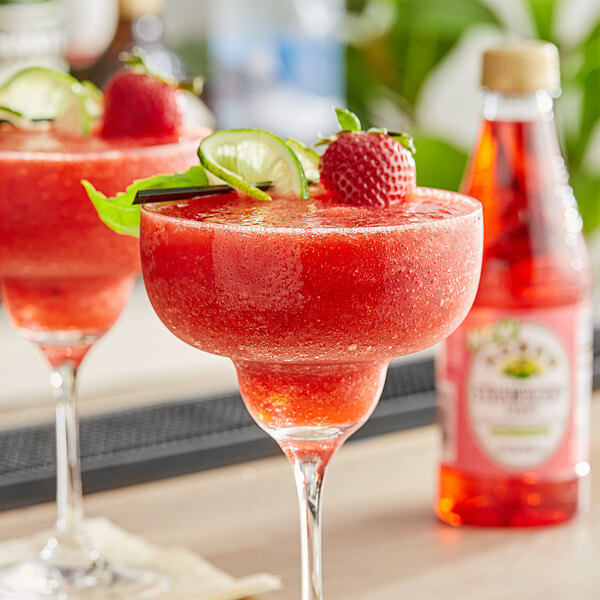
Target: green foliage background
[{"x": 396, "y": 64}]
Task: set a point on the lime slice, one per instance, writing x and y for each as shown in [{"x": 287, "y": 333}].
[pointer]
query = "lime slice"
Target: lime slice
[
  {"x": 43, "y": 94},
  {"x": 308, "y": 158},
  {"x": 93, "y": 99},
  {"x": 241, "y": 156},
  {"x": 8, "y": 115}
]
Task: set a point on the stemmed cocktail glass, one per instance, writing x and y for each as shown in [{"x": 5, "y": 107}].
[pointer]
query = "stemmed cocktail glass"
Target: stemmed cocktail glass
[
  {"x": 311, "y": 300},
  {"x": 65, "y": 277}
]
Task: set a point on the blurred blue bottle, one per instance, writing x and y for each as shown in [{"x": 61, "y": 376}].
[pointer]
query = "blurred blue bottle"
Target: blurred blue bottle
[{"x": 276, "y": 64}]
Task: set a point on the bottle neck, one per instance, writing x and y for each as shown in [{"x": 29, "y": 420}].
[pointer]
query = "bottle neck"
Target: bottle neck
[{"x": 534, "y": 106}]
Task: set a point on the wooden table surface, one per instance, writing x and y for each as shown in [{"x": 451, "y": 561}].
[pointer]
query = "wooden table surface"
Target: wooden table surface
[{"x": 381, "y": 540}]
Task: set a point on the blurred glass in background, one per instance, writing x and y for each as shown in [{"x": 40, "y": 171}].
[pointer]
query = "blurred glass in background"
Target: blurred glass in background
[{"x": 33, "y": 32}]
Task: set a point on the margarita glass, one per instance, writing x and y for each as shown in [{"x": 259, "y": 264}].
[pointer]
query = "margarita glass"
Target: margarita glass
[
  {"x": 311, "y": 300},
  {"x": 65, "y": 278}
]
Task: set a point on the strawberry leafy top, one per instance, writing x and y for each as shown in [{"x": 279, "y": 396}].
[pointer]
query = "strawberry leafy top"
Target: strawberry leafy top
[
  {"x": 137, "y": 61},
  {"x": 350, "y": 123}
]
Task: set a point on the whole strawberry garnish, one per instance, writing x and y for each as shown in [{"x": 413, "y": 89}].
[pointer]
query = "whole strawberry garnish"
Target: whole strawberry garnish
[
  {"x": 369, "y": 168},
  {"x": 138, "y": 104}
]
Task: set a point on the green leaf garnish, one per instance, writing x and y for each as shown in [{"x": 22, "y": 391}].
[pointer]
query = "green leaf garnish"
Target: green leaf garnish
[
  {"x": 348, "y": 120},
  {"x": 119, "y": 213},
  {"x": 382, "y": 130},
  {"x": 406, "y": 140},
  {"x": 136, "y": 57},
  {"x": 326, "y": 141}
]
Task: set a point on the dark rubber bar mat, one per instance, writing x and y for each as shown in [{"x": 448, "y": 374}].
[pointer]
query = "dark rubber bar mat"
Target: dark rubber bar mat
[
  {"x": 173, "y": 438},
  {"x": 164, "y": 440}
]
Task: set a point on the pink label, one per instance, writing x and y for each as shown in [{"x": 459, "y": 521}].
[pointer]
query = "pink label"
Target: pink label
[{"x": 514, "y": 391}]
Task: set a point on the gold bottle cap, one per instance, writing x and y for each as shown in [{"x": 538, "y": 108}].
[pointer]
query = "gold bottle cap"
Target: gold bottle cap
[
  {"x": 521, "y": 67},
  {"x": 133, "y": 9}
]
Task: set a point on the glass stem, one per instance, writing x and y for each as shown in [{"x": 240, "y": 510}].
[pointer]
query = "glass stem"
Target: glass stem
[
  {"x": 69, "y": 497},
  {"x": 309, "y": 472}
]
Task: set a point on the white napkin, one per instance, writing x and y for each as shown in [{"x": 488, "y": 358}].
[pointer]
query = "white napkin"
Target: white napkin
[{"x": 192, "y": 577}]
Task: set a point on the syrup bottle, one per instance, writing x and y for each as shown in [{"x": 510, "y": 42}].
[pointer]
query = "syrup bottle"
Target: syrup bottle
[{"x": 515, "y": 380}]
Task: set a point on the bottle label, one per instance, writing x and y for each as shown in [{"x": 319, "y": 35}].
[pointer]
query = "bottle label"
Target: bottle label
[{"x": 514, "y": 390}]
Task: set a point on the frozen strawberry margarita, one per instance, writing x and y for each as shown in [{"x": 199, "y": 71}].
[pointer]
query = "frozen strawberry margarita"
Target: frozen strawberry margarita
[
  {"x": 65, "y": 276},
  {"x": 62, "y": 269},
  {"x": 311, "y": 290}
]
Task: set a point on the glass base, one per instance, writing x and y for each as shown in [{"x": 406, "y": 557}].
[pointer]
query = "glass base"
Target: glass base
[
  {"x": 36, "y": 580},
  {"x": 311, "y": 434}
]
